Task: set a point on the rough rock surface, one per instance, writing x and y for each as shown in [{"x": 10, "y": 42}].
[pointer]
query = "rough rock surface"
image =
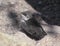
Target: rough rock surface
[{"x": 11, "y": 36}]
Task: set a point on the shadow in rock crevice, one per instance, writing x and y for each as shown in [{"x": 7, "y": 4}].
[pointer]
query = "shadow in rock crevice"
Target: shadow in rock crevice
[
  {"x": 32, "y": 27},
  {"x": 33, "y": 31}
]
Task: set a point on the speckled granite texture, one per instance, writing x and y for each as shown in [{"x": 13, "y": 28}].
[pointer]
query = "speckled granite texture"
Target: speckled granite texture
[{"x": 10, "y": 35}]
